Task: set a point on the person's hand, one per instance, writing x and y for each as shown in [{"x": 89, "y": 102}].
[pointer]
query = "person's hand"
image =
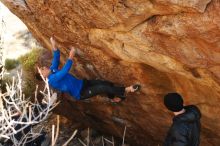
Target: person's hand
[
  {"x": 53, "y": 43},
  {"x": 72, "y": 52}
]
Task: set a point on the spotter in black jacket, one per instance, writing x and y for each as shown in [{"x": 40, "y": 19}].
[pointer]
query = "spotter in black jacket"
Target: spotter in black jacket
[{"x": 185, "y": 130}]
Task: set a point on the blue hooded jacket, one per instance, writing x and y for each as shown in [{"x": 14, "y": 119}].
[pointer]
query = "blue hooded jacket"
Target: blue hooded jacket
[{"x": 61, "y": 79}]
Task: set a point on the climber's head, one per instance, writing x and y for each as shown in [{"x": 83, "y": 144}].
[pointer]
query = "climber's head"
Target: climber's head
[
  {"x": 174, "y": 103},
  {"x": 44, "y": 71}
]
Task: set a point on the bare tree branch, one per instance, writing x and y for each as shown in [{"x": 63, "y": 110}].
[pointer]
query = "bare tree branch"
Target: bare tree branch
[{"x": 18, "y": 113}]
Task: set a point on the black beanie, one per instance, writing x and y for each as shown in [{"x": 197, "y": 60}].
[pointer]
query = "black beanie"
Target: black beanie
[{"x": 173, "y": 101}]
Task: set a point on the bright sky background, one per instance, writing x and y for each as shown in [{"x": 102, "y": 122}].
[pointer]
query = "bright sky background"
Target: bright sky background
[{"x": 13, "y": 47}]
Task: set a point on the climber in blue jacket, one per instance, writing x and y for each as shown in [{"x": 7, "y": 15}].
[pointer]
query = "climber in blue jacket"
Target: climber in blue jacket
[{"x": 63, "y": 81}]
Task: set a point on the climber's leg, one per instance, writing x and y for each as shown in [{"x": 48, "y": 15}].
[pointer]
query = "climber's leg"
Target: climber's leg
[
  {"x": 95, "y": 87},
  {"x": 97, "y": 82}
]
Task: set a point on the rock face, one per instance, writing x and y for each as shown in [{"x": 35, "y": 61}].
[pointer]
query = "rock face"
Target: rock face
[{"x": 166, "y": 45}]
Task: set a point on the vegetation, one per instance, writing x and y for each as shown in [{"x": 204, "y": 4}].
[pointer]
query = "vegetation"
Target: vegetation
[
  {"x": 28, "y": 62},
  {"x": 11, "y": 64}
]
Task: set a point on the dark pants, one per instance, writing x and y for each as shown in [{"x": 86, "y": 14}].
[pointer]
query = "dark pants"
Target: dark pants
[{"x": 95, "y": 87}]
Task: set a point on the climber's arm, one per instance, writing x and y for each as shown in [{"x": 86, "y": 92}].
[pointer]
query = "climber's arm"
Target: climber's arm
[
  {"x": 59, "y": 75},
  {"x": 53, "y": 43},
  {"x": 56, "y": 55}
]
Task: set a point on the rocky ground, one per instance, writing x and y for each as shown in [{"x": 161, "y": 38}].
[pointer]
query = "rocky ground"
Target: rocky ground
[{"x": 82, "y": 137}]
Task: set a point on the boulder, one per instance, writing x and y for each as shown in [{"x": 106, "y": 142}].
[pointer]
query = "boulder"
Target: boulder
[{"x": 165, "y": 45}]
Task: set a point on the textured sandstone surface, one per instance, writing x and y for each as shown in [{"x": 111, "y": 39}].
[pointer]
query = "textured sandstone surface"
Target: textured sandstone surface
[{"x": 166, "y": 45}]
